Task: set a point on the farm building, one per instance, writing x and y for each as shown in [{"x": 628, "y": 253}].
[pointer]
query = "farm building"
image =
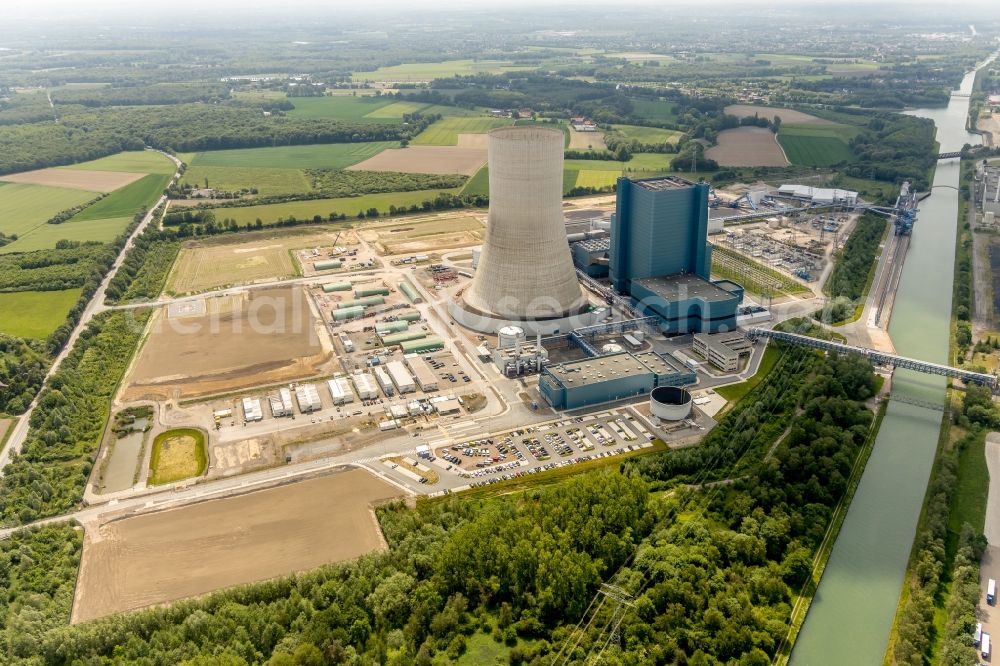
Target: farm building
[
  {"x": 308, "y": 398},
  {"x": 252, "y": 410},
  {"x": 401, "y": 377}
]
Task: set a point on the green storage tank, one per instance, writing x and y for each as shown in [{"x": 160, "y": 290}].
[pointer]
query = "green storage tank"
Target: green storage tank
[
  {"x": 337, "y": 286},
  {"x": 398, "y": 338},
  {"x": 387, "y": 327},
  {"x": 372, "y": 291},
  {"x": 328, "y": 265},
  {"x": 348, "y": 313},
  {"x": 362, "y": 302},
  {"x": 410, "y": 291},
  {"x": 410, "y": 316},
  {"x": 429, "y": 344}
]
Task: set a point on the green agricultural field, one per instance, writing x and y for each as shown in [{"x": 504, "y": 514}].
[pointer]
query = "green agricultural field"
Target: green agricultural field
[
  {"x": 306, "y": 210},
  {"x": 45, "y": 236},
  {"x": 140, "y": 161},
  {"x": 426, "y": 71},
  {"x": 445, "y": 131},
  {"x": 24, "y": 207},
  {"x": 596, "y": 178},
  {"x": 478, "y": 184},
  {"x": 658, "y": 111},
  {"x": 318, "y": 156},
  {"x": 648, "y": 134},
  {"x": 35, "y": 314},
  {"x": 816, "y": 145},
  {"x": 355, "y": 109},
  {"x": 269, "y": 182},
  {"x": 126, "y": 201}
]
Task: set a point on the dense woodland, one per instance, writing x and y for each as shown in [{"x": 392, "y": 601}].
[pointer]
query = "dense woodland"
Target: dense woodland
[{"x": 517, "y": 571}]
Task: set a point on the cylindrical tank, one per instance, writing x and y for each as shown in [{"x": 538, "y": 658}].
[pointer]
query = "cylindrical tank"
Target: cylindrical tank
[
  {"x": 409, "y": 291},
  {"x": 410, "y": 316},
  {"x": 327, "y": 265},
  {"x": 612, "y": 348},
  {"x": 362, "y": 302},
  {"x": 372, "y": 291},
  {"x": 347, "y": 313},
  {"x": 397, "y": 338},
  {"x": 670, "y": 403},
  {"x": 337, "y": 286},
  {"x": 509, "y": 336},
  {"x": 386, "y": 327},
  {"x": 573, "y": 238},
  {"x": 525, "y": 271}
]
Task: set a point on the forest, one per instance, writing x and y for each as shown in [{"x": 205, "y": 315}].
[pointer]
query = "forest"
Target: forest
[{"x": 517, "y": 571}]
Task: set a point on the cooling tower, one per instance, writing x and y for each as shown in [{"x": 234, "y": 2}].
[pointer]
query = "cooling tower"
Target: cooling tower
[{"x": 525, "y": 271}]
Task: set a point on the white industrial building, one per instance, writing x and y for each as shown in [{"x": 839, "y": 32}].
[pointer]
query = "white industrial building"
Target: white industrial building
[
  {"x": 426, "y": 378},
  {"x": 340, "y": 390},
  {"x": 365, "y": 386},
  {"x": 281, "y": 404},
  {"x": 401, "y": 377},
  {"x": 384, "y": 382},
  {"x": 723, "y": 350},
  {"x": 308, "y": 398},
  {"x": 252, "y": 410},
  {"x": 819, "y": 195}
]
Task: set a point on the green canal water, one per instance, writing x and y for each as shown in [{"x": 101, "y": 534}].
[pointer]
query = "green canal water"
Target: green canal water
[{"x": 852, "y": 613}]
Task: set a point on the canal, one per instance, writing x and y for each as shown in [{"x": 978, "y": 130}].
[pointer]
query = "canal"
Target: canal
[{"x": 852, "y": 613}]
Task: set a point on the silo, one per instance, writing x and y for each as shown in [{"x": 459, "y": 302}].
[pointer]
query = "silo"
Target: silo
[{"x": 525, "y": 271}]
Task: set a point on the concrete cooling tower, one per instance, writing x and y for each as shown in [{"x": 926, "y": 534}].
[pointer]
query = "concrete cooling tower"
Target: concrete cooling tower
[{"x": 525, "y": 272}]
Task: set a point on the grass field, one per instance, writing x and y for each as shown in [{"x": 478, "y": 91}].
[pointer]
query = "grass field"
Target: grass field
[
  {"x": 816, "y": 145},
  {"x": 268, "y": 182},
  {"x": 735, "y": 392},
  {"x": 140, "y": 161},
  {"x": 648, "y": 134},
  {"x": 305, "y": 210},
  {"x": 478, "y": 184},
  {"x": 25, "y": 209},
  {"x": 585, "y": 178},
  {"x": 426, "y": 71},
  {"x": 319, "y": 156},
  {"x": 45, "y": 236},
  {"x": 445, "y": 131},
  {"x": 971, "y": 487},
  {"x": 658, "y": 111},
  {"x": 355, "y": 109},
  {"x": 177, "y": 454},
  {"x": 126, "y": 201},
  {"x": 35, "y": 314}
]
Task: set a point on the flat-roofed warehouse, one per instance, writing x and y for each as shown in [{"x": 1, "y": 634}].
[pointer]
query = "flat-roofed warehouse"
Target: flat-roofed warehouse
[
  {"x": 723, "y": 350},
  {"x": 608, "y": 378},
  {"x": 401, "y": 377},
  {"x": 340, "y": 390},
  {"x": 365, "y": 386},
  {"x": 308, "y": 398},
  {"x": 425, "y": 377}
]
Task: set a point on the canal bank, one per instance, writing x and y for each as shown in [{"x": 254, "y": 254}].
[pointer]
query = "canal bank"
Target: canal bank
[{"x": 852, "y": 612}]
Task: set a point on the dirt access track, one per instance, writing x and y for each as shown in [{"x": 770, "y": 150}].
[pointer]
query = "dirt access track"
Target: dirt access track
[
  {"x": 747, "y": 146},
  {"x": 76, "y": 179},
  {"x": 260, "y": 337},
  {"x": 161, "y": 557}
]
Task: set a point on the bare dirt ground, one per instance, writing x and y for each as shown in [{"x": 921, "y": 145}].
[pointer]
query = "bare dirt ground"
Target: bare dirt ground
[
  {"x": 747, "y": 146},
  {"x": 990, "y": 126},
  {"x": 214, "y": 263},
  {"x": 427, "y": 235},
  {"x": 5, "y": 425},
  {"x": 474, "y": 141},
  {"x": 162, "y": 557},
  {"x": 787, "y": 115},
  {"x": 80, "y": 179},
  {"x": 426, "y": 159},
  {"x": 586, "y": 140},
  {"x": 270, "y": 338}
]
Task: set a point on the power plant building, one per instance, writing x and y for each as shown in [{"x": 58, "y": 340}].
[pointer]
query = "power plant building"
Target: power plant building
[
  {"x": 525, "y": 273},
  {"x": 601, "y": 379},
  {"x": 660, "y": 256}
]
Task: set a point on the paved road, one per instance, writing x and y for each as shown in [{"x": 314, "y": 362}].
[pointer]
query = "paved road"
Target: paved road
[{"x": 96, "y": 305}]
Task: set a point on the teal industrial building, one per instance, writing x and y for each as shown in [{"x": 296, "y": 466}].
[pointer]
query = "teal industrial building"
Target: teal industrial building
[
  {"x": 601, "y": 379},
  {"x": 660, "y": 257}
]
